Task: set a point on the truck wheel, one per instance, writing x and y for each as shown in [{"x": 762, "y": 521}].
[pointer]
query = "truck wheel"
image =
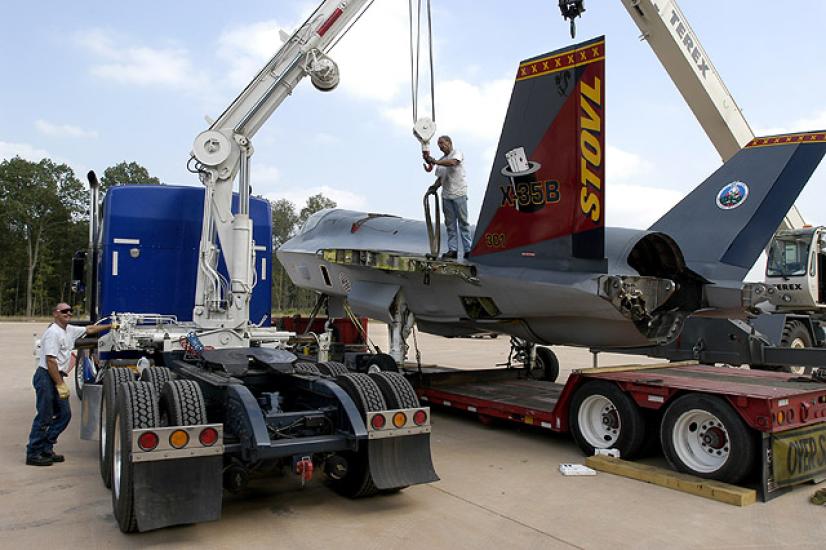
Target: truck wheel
[
  {"x": 703, "y": 436},
  {"x": 546, "y": 366},
  {"x": 332, "y": 368},
  {"x": 157, "y": 376},
  {"x": 603, "y": 417},
  {"x": 112, "y": 379},
  {"x": 380, "y": 362},
  {"x": 795, "y": 335},
  {"x": 182, "y": 404},
  {"x": 397, "y": 391},
  {"x": 305, "y": 368},
  {"x": 357, "y": 481},
  {"x": 79, "y": 381},
  {"x": 137, "y": 407}
]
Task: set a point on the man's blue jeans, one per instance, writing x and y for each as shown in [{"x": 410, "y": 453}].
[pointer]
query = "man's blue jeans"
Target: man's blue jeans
[
  {"x": 53, "y": 415},
  {"x": 455, "y": 211}
]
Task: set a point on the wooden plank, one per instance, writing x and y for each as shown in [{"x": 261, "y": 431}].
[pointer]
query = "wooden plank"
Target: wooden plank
[
  {"x": 626, "y": 368},
  {"x": 716, "y": 490}
]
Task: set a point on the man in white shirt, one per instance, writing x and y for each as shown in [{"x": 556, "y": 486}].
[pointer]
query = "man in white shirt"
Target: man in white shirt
[
  {"x": 451, "y": 173},
  {"x": 52, "y": 393}
]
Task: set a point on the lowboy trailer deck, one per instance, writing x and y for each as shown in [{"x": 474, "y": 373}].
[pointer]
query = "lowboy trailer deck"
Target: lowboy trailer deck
[{"x": 714, "y": 422}]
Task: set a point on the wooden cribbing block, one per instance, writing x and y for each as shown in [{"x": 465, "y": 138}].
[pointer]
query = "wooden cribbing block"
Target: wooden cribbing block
[{"x": 716, "y": 490}]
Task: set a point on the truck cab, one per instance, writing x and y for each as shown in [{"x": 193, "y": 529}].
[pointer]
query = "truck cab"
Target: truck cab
[{"x": 795, "y": 268}]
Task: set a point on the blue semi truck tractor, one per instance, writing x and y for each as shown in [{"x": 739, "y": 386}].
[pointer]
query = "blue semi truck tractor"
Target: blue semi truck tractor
[{"x": 183, "y": 413}]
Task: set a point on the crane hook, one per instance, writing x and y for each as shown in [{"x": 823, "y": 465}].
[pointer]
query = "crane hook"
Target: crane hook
[{"x": 571, "y": 9}]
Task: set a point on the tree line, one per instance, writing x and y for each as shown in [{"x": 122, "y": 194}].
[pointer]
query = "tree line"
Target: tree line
[{"x": 44, "y": 219}]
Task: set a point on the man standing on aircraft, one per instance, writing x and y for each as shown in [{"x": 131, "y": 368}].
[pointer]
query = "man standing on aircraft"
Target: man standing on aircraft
[{"x": 451, "y": 177}]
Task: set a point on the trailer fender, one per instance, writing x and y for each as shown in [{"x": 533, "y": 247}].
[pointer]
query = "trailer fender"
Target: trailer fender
[
  {"x": 245, "y": 419},
  {"x": 177, "y": 492},
  {"x": 397, "y": 462}
]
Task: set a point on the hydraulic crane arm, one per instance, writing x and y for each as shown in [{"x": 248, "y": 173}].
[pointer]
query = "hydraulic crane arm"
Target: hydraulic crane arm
[{"x": 223, "y": 151}]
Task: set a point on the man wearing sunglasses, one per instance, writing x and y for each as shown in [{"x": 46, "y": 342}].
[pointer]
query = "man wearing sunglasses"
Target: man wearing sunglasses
[{"x": 52, "y": 393}]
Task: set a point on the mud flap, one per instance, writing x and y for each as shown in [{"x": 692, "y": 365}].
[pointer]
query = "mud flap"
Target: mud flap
[
  {"x": 90, "y": 412},
  {"x": 175, "y": 492},
  {"x": 401, "y": 461}
]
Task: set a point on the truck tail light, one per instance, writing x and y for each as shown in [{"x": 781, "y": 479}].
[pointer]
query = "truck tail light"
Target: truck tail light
[
  {"x": 208, "y": 437},
  {"x": 148, "y": 441},
  {"x": 419, "y": 418},
  {"x": 378, "y": 421},
  {"x": 399, "y": 419},
  {"x": 179, "y": 439}
]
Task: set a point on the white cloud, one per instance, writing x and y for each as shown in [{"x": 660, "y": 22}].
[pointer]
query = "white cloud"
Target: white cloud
[
  {"x": 622, "y": 166},
  {"x": 637, "y": 206},
  {"x": 265, "y": 175},
  {"x": 342, "y": 198},
  {"x": 323, "y": 138},
  {"x": 25, "y": 151},
  {"x": 142, "y": 66},
  {"x": 64, "y": 130},
  {"x": 816, "y": 121},
  {"x": 247, "y": 47}
]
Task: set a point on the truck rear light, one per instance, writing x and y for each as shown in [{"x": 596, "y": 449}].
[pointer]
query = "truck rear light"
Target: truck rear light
[
  {"x": 148, "y": 441},
  {"x": 208, "y": 437},
  {"x": 419, "y": 418},
  {"x": 399, "y": 419},
  {"x": 378, "y": 421},
  {"x": 780, "y": 417},
  {"x": 179, "y": 439}
]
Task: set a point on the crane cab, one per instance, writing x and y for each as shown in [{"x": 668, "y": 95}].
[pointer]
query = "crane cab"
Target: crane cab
[{"x": 796, "y": 268}]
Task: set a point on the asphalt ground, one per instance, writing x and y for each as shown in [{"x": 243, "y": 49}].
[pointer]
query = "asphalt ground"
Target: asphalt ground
[{"x": 500, "y": 488}]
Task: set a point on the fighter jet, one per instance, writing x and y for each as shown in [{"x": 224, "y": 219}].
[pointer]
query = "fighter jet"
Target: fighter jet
[{"x": 543, "y": 266}]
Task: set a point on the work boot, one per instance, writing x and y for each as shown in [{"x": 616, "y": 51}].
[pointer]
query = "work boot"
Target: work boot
[
  {"x": 38, "y": 460},
  {"x": 819, "y": 497},
  {"x": 54, "y": 457},
  {"x": 450, "y": 255}
]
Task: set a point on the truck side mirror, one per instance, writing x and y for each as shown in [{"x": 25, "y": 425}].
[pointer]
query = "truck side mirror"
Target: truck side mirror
[{"x": 79, "y": 271}]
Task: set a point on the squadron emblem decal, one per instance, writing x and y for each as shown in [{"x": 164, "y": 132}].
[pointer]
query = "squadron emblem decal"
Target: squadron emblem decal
[{"x": 732, "y": 195}]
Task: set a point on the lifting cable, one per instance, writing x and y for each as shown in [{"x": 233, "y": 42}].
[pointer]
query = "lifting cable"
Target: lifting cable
[{"x": 415, "y": 55}]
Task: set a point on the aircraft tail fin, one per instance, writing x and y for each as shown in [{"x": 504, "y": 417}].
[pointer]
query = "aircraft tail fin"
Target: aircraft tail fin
[
  {"x": 723, "y": 225},
  {"x": 544, "y": 204}
]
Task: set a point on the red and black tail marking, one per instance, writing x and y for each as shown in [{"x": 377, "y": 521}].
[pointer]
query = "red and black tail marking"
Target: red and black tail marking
[{"x": 550, "y": 207}]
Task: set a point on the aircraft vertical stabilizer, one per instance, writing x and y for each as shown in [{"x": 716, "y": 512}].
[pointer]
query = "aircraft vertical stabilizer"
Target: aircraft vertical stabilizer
[
  {"x": 724, "y": 224},
  {"x": 545, "y": 201}
]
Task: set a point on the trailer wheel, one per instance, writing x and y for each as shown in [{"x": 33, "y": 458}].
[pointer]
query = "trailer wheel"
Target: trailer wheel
[
  {"x": 546, "y": 365},
  {"x": 332, "y": 368},
  {"x": 302, "y": 367},
  {"x": 137, "y": 408},
  {"x": 357, "y": 481},
  {"x": 112, "y": 379},
  {"x": 182, "y": 404},
  {"x": 380, "y": 362},
  {"x": 603, "y": 417},
  {"x": 703, "y": 436},
  {"x": 397, "y": 391},
  {"x": 157, "y": 376}
]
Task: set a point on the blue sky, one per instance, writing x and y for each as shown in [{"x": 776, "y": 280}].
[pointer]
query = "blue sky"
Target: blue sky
[{"x": 92, "y": 83}]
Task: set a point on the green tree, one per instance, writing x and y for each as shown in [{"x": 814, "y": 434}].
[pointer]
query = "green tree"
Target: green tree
[
  {"x": 314, "y": 204},
  {"x": 43, "y": 204},
  {"x": 125, "y": 173}
]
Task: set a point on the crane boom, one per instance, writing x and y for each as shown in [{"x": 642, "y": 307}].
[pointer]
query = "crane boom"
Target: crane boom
[
  {"x": 681, "y": 54},
  {"x": 224, "y": 150}
]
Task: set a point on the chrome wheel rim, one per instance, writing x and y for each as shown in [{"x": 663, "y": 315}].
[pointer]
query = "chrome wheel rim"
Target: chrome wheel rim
[
  {"x": 116, "y": 460},
  {"x": 701, "y": 441}
]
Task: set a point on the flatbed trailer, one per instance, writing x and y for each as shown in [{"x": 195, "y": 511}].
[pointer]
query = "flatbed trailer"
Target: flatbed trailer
[{"x": 714, "y": 422}]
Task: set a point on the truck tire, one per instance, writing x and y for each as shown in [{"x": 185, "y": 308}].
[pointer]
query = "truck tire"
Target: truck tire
[
  {"x": 112, "y": 379},
  {"x": 182, "y": 404},
  {"x": 79, "y": 381},
  {"x": 546, "y": 366},
  {"x": 332, "y": 368},
  {"x": 602, "y": 416},
  {"x": 157, "y": 376},
  {"x": 397, "y": 391},
  {"x": 137, "y": 407},
  {"x": 380, "y": 362},
  {"x": 795, "y": 335},
  {"x": 357, "y": 481},
  {"x": 703, "y": 436},
  {"x": 304, "y": 367}
]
